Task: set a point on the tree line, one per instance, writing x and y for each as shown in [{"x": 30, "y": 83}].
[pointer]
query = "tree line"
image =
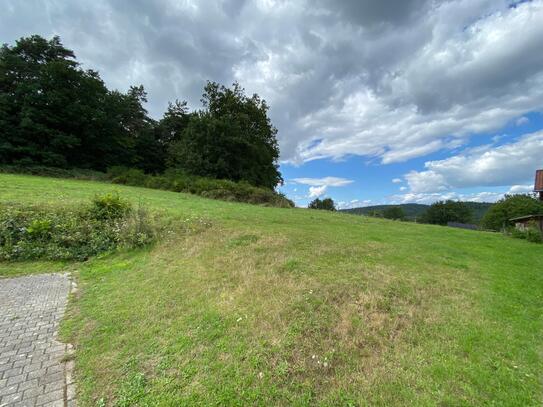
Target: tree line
[{"x": 54, "y": 113}]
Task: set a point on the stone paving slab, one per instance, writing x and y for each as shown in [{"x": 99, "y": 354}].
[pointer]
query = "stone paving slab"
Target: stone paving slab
[{"x": 32, "y": 371}]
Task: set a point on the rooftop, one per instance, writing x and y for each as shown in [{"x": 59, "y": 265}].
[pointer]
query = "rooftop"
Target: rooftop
[
  {"x": 538, "y": 186},
  {"x": 527, "y": 217}
]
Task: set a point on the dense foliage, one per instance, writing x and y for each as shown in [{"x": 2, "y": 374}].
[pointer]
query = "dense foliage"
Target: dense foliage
[
  {"x": 394, "y": 212},
  {"x": 442, "y": 212},
  {"x": 55, "y": 114},
  {"x": 326, "y": 204},
  {"x": 511, "y": 206},
  {"x": 41, "y": 232},
  {"x": 232, "y": 138}
]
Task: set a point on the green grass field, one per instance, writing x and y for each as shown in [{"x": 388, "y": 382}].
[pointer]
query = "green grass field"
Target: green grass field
[{"x": 281, "y": 307}]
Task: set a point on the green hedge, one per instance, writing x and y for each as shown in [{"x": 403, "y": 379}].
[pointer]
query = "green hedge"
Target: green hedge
[{"x": 178, "y": 181}]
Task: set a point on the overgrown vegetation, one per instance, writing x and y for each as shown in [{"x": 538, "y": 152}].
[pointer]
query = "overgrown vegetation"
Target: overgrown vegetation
[
  {"x": 531, "y": 233},
  {"x": 178, "y": 181},
  {"x": 500, "y": 214},
  {"x": 73, "y": 233}
]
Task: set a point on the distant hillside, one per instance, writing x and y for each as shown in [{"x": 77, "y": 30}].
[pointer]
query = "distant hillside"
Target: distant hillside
[
  {"x": 479, "y": 209},
  {"x": 413, "y": 211}
]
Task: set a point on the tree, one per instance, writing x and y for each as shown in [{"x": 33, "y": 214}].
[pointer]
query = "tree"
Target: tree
[
  {"x": 511, "y": 206},
  {"x": 394, "y": 212},
  {"x": 442, "y": 212},
  {"x": 232, "y": 138},
  {"x": 173, "y": 123},
  {"x": 324, "y": 204},
  {"x": 54, "y": 113},
  {"x": 40, "y": 104}
]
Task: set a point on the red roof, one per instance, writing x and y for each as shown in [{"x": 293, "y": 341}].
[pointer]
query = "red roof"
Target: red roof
[{"x": 538, "y": 187}]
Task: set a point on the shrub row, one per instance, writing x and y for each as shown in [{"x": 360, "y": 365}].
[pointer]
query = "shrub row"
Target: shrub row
[
  {"x": 53, "y": 233},
  {"x": 77, "y": 173},
  {"x": 174, "y": 180}
]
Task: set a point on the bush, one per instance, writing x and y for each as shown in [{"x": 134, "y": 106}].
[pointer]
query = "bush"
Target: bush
[
  {"x": 131, "y": 176},
  {"x": 531, "y": 233},
  {"x": 41, "y": 232},
  {"x": 109, "y": 206},
  {"x": 534, "y": 235}
]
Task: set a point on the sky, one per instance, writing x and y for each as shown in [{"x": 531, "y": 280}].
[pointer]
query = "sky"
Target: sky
[{"x": 375, "y": 102}]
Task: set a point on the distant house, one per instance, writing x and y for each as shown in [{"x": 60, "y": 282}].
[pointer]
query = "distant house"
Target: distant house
[{"x": 523, "y": 222}]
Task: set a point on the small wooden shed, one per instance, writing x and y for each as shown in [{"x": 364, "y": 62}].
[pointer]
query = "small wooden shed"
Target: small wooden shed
[{"x": 523, "y": 222}]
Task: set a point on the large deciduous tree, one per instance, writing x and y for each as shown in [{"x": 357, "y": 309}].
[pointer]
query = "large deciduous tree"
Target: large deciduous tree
[
  {"x": 231, "y": 138},
  {"x": 442, "y": 212},
  {"x": 326, "y": 204}
]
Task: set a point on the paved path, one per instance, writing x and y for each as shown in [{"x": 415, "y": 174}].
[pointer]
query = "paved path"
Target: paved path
[{"x": 32, "y": 372}]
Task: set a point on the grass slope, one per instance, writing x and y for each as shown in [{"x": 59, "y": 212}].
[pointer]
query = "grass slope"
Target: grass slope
[{"x": 296, "y": 307}]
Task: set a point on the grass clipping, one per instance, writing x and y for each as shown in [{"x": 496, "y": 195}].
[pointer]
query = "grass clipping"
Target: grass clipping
[{"x": 107, "y": 223}]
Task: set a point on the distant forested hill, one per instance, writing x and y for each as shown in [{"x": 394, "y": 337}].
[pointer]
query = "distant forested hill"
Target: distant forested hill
[{"x": 413, "y": 211}]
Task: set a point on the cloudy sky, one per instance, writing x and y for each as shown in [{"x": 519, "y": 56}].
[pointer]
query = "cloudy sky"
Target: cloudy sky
[{"x": 376, "y": 101}]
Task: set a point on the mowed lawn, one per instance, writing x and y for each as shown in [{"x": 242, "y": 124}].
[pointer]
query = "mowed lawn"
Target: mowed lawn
[{"x": 293, "y": 307}]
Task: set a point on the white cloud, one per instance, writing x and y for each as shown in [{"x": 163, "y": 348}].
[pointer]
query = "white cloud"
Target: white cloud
[
  {"x": 355, "y": 203},
  {"x": 315, "y": 192},
  {"x": 390, "y": 79},
  {"x": 396, "y": 181},
  {"x": 521, "y": 121},
  {"x": 319, "y": 186},
  {"x": 327, "y": 181},
  {"x": 521, "y": 189},
  {"x": 457, "y": 80},
  {"x": 506, "y": 165},
  {"x": 429, "y": 198}
]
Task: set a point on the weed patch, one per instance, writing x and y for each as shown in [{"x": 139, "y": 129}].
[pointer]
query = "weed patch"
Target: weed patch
[{"x": 69, "y": 233}]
